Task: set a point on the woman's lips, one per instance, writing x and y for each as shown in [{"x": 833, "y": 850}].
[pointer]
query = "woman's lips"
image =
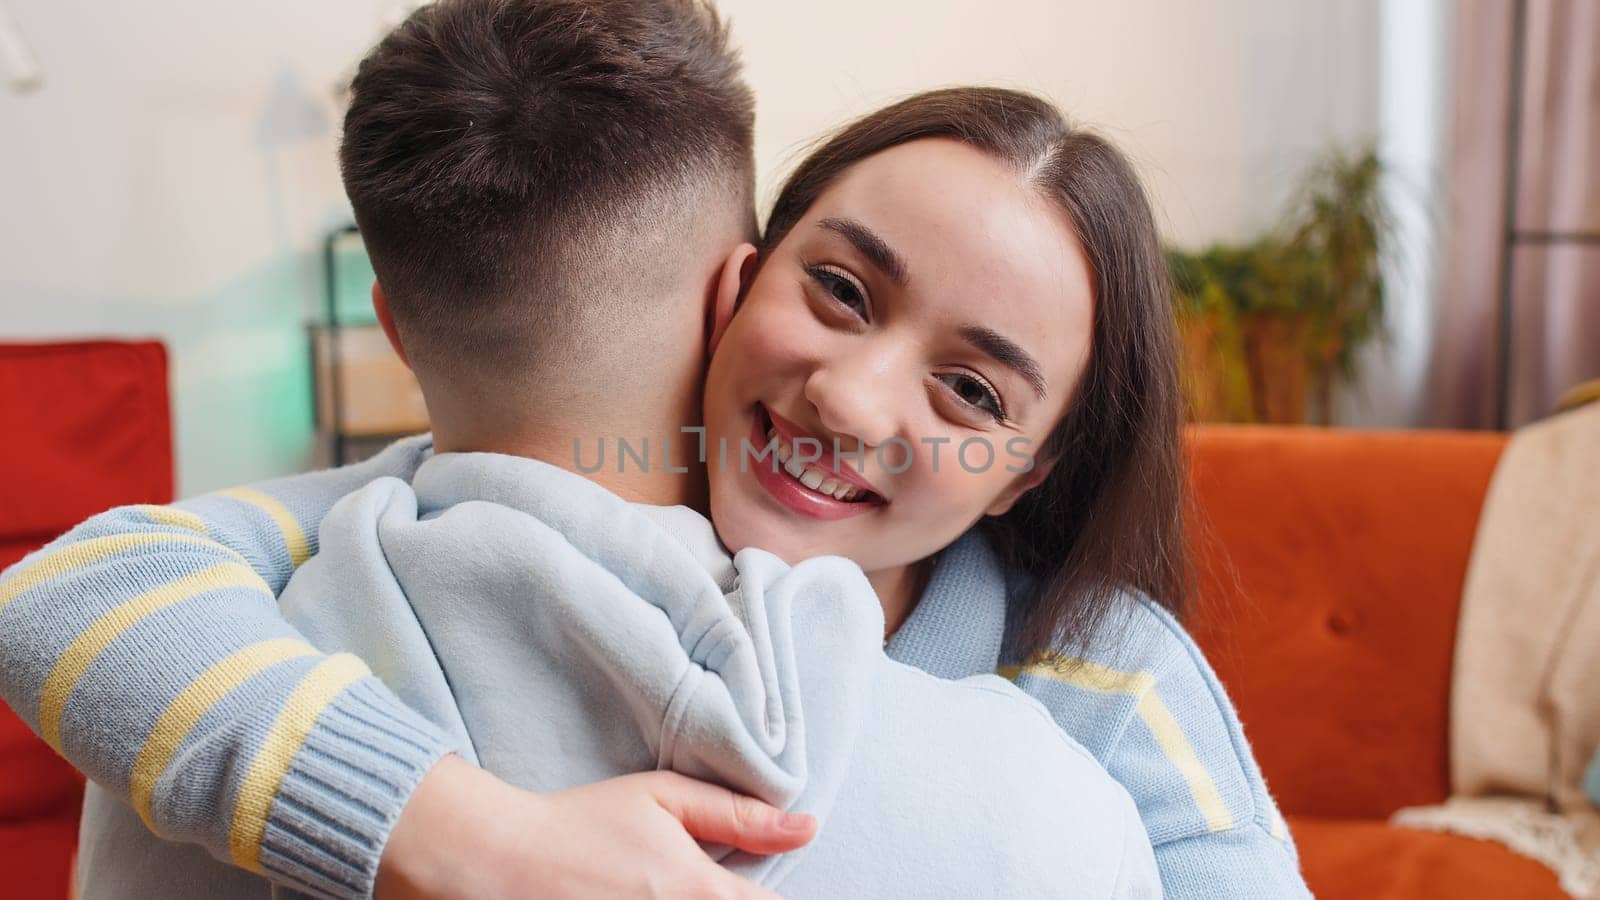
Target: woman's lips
[
  {"x": 788, "y": 491},
  {"x": 827, "y": 461}
]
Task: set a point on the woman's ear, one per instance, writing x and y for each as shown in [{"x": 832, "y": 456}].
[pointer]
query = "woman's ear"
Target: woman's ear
[
  {"x": 731, "y": 282},
  {"x": 1023, "y": 483},
  {"x": 380, "y": 306}
]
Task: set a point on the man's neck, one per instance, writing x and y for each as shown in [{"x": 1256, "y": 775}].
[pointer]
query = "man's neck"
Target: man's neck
[
  {"x": 642, "y": 456},
  {"x": 626, "y": 436},
  {"x": 660, "y": 468}
]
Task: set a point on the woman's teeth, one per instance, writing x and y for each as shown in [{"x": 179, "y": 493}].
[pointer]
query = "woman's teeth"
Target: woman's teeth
[{"x": 812, "y": 477}]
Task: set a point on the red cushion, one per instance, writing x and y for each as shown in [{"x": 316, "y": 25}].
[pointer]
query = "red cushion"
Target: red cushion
[
  {"x": 1366, "y": 860},
  {"x": 37, "y": 783},
  {"x": 87, "y": 427},
  {"x": 13, "y": 549},
  {"x": 38, "y": 858}
]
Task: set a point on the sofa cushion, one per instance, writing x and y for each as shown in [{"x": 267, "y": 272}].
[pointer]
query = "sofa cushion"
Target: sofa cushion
[
  {"x": 37, "y": 783},
  {"x": 1369, "y": 860},
  {"x": 40, "y": 855},
  {"x": 88, "y": 427},
  {"x": 1330, "y": 615}
]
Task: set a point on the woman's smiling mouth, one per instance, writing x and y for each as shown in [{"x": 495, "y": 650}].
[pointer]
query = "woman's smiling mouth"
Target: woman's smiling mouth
[{"x": 820, "y": 488}]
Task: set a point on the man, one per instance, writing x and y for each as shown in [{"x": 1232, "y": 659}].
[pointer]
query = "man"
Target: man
[{"x": 600, "y": 169}]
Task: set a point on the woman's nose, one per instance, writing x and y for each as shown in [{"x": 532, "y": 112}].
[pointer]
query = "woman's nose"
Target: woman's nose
[{"x": 853, "y": 404}]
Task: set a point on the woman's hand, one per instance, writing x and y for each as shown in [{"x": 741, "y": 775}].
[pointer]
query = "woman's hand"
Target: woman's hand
[{"x": 467, "y": 834}]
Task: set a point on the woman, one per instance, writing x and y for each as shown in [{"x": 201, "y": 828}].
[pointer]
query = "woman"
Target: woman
[{"x": 963, "y": 268}]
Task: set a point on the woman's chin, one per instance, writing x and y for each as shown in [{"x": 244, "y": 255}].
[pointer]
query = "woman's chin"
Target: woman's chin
[
  {"x": 762, "y": 536},
  {"x": 747, "y": 527}
]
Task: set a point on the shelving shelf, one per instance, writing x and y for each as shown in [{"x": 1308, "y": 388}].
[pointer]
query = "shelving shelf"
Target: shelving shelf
[{"x": 363, "y": 396}]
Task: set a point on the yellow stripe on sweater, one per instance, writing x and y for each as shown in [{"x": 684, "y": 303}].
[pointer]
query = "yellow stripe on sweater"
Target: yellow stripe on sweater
[
  {"x": 168, "y": 515},
  {"x": 75, "y": 556},
  {"x": 293, "y": 537},
  {"x": 319, "y": 688},
  {"x": 186, "y": 710},
  {"x": 83, "y": 651},
  {"x": 1168, "y": 733}
]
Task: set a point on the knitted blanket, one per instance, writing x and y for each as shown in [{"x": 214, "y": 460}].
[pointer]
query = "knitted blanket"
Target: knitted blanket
[{"x": 1525, "y": 714}]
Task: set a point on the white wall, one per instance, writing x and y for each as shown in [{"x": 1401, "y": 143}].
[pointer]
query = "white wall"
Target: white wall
[
  {"x": 171, "y": 179},
  {"x": 1222, "y": 102},
  {"x": 1413, "y": 139},
  {"x": 176, "y": 172}
]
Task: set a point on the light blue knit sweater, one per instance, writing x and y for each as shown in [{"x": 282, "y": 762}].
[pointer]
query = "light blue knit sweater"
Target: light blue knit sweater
[
  {"x": 147, "y": 646},
  {"x": 559, "y": 636}
]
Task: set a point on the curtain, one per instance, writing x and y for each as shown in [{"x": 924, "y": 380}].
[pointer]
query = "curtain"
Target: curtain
[{"x": 1555, "y": 310}]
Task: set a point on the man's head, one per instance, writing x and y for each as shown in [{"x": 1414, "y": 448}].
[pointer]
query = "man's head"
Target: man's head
[{"x": 542, "y": 184}]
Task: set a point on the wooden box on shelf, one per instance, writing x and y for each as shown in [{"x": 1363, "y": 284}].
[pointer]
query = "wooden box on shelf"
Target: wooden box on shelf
[{"x": 377, "y": 395}]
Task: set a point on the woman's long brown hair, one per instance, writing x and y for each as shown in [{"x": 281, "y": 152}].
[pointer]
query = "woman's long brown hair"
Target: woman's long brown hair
[{"x": 1109, "y": 517}]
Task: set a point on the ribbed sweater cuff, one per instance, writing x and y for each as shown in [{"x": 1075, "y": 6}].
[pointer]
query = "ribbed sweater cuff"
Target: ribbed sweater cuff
[{"x": 344, "y": 791}]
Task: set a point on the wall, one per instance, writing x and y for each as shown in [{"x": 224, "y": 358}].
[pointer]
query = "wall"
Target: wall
[
  {"x": 175, "y": 174},
  {"x": 1221, "y": 102},
  {"x": 172, "y": 178},
  {"x": 1413, "y": 138}
]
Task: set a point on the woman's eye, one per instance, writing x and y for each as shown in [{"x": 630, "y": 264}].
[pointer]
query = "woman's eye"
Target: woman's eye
[
  {"x": 974, "y": 393},
  {"x": 844, "y": 290}
]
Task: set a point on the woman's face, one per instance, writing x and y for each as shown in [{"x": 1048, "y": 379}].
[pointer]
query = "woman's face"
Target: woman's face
[{"x": 930, "y": 313}]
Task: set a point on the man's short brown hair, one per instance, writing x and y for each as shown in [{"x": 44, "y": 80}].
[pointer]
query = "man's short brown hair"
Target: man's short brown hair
[{"x": 497, "y": 150}]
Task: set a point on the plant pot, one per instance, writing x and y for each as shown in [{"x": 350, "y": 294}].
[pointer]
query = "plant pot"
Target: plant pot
[
  {"x": 1203, "y": 388},
  {"x": 1275, "y": 358},
  {"x": 1216, "y": 386}
]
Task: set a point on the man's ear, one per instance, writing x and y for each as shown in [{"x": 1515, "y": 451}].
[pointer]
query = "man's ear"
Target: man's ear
[
  {"x": 731, "y": 282},
  {"x": 380, "y": 306},
  {"x": 1023, "y": 483}
]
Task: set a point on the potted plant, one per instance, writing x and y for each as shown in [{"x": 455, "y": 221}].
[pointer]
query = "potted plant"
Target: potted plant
[
  {"x": 1272, "y": 326},
  {"x": 1337, "y": 230}
]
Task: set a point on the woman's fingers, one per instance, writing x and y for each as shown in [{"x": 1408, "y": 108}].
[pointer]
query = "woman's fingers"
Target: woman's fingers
[
  {"x": 466, "y": 834},
  {"x": 720, "y": 816}
]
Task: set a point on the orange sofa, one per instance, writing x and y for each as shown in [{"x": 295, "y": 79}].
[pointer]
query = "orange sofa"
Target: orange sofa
[{"x": 1331, "y": 565}]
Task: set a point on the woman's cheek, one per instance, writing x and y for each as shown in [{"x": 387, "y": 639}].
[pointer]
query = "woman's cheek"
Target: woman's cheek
[
  {"x": 782, "y": 326},
  {"x": 950, "y": 493}
]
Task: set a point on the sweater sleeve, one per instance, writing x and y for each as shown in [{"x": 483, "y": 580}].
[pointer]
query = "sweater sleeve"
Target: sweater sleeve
[
  {"x": 1146, "y": 703},
  {"x": 146, "y": 646},
  {"x": 1244, "y": 861}
]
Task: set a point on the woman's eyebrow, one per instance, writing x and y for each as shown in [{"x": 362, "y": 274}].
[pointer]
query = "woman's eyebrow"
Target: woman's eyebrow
[
  {"x": 874, "y": 248},
  {"x": 1007, "y": 353}
]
